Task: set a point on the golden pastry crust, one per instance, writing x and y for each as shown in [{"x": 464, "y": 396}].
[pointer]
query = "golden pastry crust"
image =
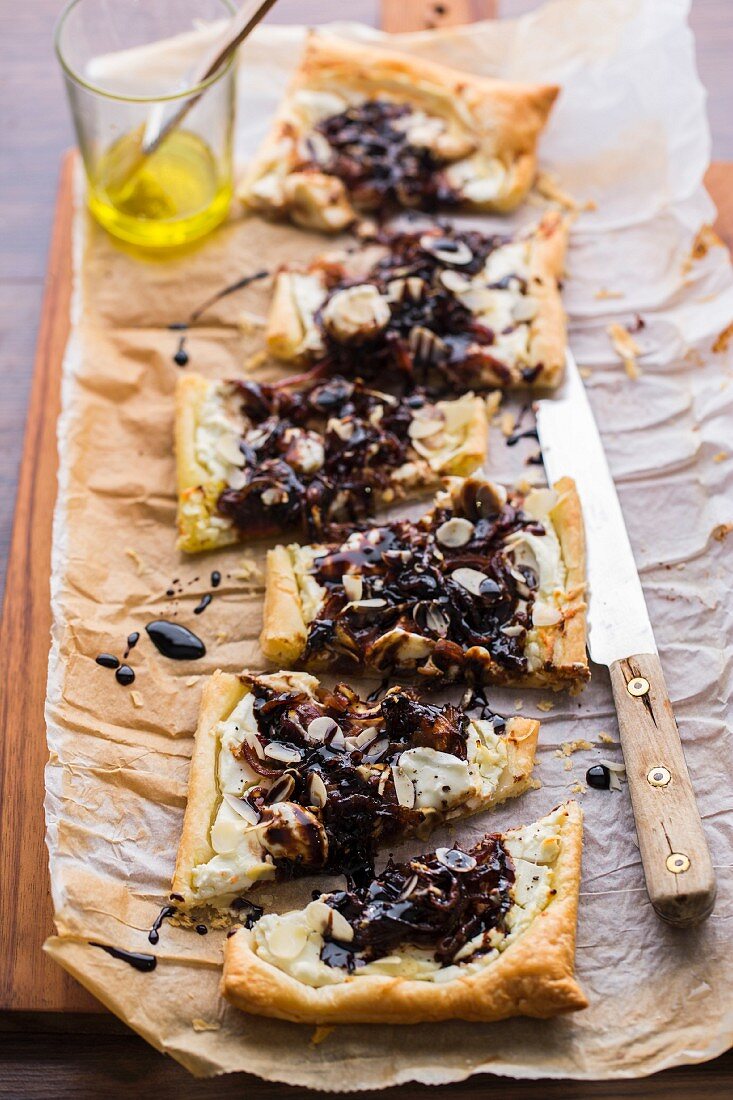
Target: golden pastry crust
[
  {"x": 198, "y": 492},
  {"x": 534, "y": 976},
  {"x": 548, "y": 329},
  {"x": 200, "y": 527},
  {"x": 284, "y": 631},
  {"x": 563, "y": 661},
  {"x": 488, "y": 123},
  {"x": 221, "y": 694}
]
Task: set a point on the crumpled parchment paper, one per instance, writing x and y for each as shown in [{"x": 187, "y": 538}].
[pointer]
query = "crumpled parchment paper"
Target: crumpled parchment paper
[{"x": 629, "y": 134}]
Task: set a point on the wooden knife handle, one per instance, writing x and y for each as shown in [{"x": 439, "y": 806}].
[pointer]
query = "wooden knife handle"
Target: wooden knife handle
[{"x": 674, "y": 852}]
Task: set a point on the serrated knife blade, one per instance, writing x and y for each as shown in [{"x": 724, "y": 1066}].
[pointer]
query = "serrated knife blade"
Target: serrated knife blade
[
  {"x": 618, "y": 620},
  {"x": 674, "y": 852}
]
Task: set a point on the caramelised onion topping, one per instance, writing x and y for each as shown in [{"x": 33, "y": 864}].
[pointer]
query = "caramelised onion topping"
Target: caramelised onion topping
[
  {"x": 339, "y": 760},
  {"x": 372, "y": 153},
  {"x": 434, "y": 336},
  {"x": 315, "y": 456},
  {"x": 439, "y": 901},
  {"x": 449, "y": 578}
]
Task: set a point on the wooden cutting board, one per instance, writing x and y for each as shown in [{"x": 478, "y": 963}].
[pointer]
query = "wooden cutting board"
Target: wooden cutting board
[{"x": 28, "y": 980}]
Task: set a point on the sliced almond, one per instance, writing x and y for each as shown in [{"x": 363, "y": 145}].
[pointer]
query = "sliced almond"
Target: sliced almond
[
  {"x": 323, "y": 918},
  {"x": 317, "y": 792},
  {"x": 285, "y": 754},
  {"x": 353, "y": 586},
  {"x": 254, "y": 743},
  {"x": 319, "y": 728},
  {"x": 404, "y": 787},
  {"x": 281, "y": 790},
  {"x": 242, "y": 807},
  {"x": 367, "y": 605},
  {"x": 447, "y": 251},
  {"x": 421, "y": 427},
  {"x": 287, "y": 940},
  {"x": 470, "y": 579},
  {"x": 455, "y": 532},
  {"x": 228, "y": 449},
  {"x": 454, "y": 281},
  {"x": 524, "y": 309}
]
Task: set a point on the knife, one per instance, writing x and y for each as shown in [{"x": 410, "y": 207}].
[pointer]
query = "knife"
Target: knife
[{"x": 679, "y": 874}]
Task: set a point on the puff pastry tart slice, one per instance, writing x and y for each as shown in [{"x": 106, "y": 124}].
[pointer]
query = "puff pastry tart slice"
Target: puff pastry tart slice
[
  {"x": 478, "y": 933},
  {"x": 455, "y": 309},
  {"x": 363, "y": 128},
  {"x": 256, "y": 460},
  {"x": 488, "y": 587},
  {"x": 289, "y": 776}
]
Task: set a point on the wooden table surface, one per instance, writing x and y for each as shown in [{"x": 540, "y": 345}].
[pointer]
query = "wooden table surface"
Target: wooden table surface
[{"x": 87, "y": 1055}]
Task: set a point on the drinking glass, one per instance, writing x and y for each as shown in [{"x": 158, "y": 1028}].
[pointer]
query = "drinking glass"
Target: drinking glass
[{"x": 127, "y": 66}]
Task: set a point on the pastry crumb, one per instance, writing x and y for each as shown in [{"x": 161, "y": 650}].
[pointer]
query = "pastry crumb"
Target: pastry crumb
[
  {"x": 549, "y": 187},
  {"x": 720, "y": 456},
  {"x": 567, "y": 748},
  {"x": 492, "y": 401},
  {"x": 257, "y": 360},
  {"x": 722, "y": 531},
  {"x": 723, "y": 339},
  {"x": 137, "y": 699},
  {"x": 545, "y": 704},
  {"x": 568, "y": 764},
  {"x": 247, "y": 570},
  {"x": 585, "y": 372},
  {"x": 579, "y": 788},
  {"x": 693, "y": 357},
  {"x": 507, "y": 422},
  {"x": 603, "y": 294},
  {"x": 247, "y": 322},
  {"x": 626, "y": 348},
  {"x": 191, "y": 681},
  {"x": 204, "y": 1025},
  {"x": 135, "y": 557},
  {"x": 606, "y": 738},
  {"x": 321, "y": 1034},
  {"x": 518, "y": 704},
  {"x": 705, "y": 239},
  {"x": 222, "y": 636}
]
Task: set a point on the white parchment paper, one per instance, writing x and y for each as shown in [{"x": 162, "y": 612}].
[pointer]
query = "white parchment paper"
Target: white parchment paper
[{"x": 629, "y": 134}]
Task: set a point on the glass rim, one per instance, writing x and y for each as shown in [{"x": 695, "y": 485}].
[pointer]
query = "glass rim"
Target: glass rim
[{"x": 194, "y": 89}]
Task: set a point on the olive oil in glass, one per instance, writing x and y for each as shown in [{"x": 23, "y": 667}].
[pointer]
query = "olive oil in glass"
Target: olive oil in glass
[
  {"x": 176, "y": 194},
  {"x": 127, "y": 69}
]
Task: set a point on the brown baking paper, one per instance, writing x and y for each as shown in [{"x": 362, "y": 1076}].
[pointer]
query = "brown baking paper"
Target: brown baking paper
[{"x": 629, "y": 133}]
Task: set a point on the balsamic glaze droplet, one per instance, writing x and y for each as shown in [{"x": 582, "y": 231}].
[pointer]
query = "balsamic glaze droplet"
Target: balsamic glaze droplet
[
  {"x": 132, "y": 640},
  {"x": 136, "y": 959},
  {"x": 175, "y": 641},
  {"x": 201, "y": 929},
  {"x": 107, "y": 660},
  {"x": 125, "y": 675},
  {"x": 166, "y": 911},
  {"x": 599, "y": 777},
  {"x": 203, "y": 604},
  {"x": 215, "y": 579},
  {"x": 181, "y": 356}
]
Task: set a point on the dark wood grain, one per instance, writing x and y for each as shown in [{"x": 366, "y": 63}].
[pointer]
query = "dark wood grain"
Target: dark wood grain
[{"x": 81, "y": 1053}]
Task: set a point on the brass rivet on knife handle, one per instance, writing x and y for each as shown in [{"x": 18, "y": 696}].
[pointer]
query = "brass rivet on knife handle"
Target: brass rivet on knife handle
[{"x": 674, "y": 852}]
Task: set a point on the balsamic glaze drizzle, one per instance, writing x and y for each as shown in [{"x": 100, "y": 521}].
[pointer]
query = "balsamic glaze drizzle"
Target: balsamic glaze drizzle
[
  {"x": 136, "y": 959},
  {"x": 154, "y": 933}
]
